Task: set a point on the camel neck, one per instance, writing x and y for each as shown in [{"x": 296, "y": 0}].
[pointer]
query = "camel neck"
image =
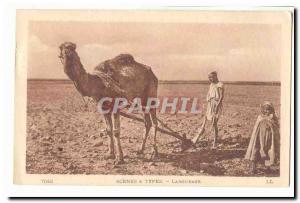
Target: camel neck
[{"x": 75, "y": 71}]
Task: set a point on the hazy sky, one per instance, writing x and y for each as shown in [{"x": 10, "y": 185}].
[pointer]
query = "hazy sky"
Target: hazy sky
[{"x": 175, "y": 51}]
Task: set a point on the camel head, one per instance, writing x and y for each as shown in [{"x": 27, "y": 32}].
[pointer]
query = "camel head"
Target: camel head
[
  {"x": 68, "y": 57},
  {"x": 67, "y": 51}
]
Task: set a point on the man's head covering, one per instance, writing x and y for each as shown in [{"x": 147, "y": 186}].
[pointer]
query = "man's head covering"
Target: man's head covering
[{"x": 214, "y": 73}]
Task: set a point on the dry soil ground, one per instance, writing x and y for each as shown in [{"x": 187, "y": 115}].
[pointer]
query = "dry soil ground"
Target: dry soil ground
[{"x": 64, "y": 137}]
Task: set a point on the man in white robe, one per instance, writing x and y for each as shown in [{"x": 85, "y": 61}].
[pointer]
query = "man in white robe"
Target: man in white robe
[{"x": 214, "y": 100}]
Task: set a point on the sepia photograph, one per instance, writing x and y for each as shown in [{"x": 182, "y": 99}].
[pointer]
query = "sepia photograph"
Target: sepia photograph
[{"x": 164, "y": 97}]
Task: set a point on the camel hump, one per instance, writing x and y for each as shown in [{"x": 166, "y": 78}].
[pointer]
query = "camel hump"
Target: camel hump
[{"x": 123, "y": 59}]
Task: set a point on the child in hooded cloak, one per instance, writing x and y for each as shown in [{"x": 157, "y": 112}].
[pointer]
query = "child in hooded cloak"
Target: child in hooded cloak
[{"x": 264, "y": 142}]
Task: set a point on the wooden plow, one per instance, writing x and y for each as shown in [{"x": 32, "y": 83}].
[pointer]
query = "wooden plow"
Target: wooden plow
[{"x": 185, "y": 143}]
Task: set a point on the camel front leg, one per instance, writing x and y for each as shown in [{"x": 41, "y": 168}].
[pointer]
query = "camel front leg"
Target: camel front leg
[
  {"x": 116, "y": 132},
  {"x": 154, "y": 129},
  {"x": 109, "y": 131}
]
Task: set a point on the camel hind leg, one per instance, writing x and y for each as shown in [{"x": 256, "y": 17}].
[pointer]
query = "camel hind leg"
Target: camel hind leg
[{"x": 148, "y": 124}]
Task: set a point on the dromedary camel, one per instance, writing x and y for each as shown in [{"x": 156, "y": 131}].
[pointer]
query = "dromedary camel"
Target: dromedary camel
[{"x": 121, "y": 76}]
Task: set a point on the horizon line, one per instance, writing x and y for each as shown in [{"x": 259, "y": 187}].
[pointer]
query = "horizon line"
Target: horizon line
[{"x": 177, "y": 81}]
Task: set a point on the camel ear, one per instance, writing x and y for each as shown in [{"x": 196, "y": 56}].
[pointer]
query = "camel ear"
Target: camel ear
[
  {"x": 73, "y": 46},
  {"x": 68, "y": 45}
]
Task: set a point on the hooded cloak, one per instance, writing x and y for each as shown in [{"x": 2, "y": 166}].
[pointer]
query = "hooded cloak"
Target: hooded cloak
[{"x": 264, "y": 141}]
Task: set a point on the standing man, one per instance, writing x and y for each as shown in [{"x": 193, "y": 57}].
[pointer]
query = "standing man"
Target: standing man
[{"x": 214, "y": 100}]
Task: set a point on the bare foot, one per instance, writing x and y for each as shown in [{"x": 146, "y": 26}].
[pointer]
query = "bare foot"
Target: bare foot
[
  {"x": 119, "y": 162},
  {"x": 214, "y": 145},
  {"x": 139, "y": 152},
  {"x": 109, "y": 156}
]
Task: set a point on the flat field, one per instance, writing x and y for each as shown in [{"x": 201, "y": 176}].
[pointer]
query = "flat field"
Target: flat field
[{"x": 64, "y": 137}]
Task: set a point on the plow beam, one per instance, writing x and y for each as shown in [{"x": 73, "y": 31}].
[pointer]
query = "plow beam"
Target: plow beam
[{"x": 185, "y": 143}]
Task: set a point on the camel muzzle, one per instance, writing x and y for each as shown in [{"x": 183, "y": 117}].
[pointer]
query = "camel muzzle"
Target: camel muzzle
[{"x": 61, "y": 57}]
